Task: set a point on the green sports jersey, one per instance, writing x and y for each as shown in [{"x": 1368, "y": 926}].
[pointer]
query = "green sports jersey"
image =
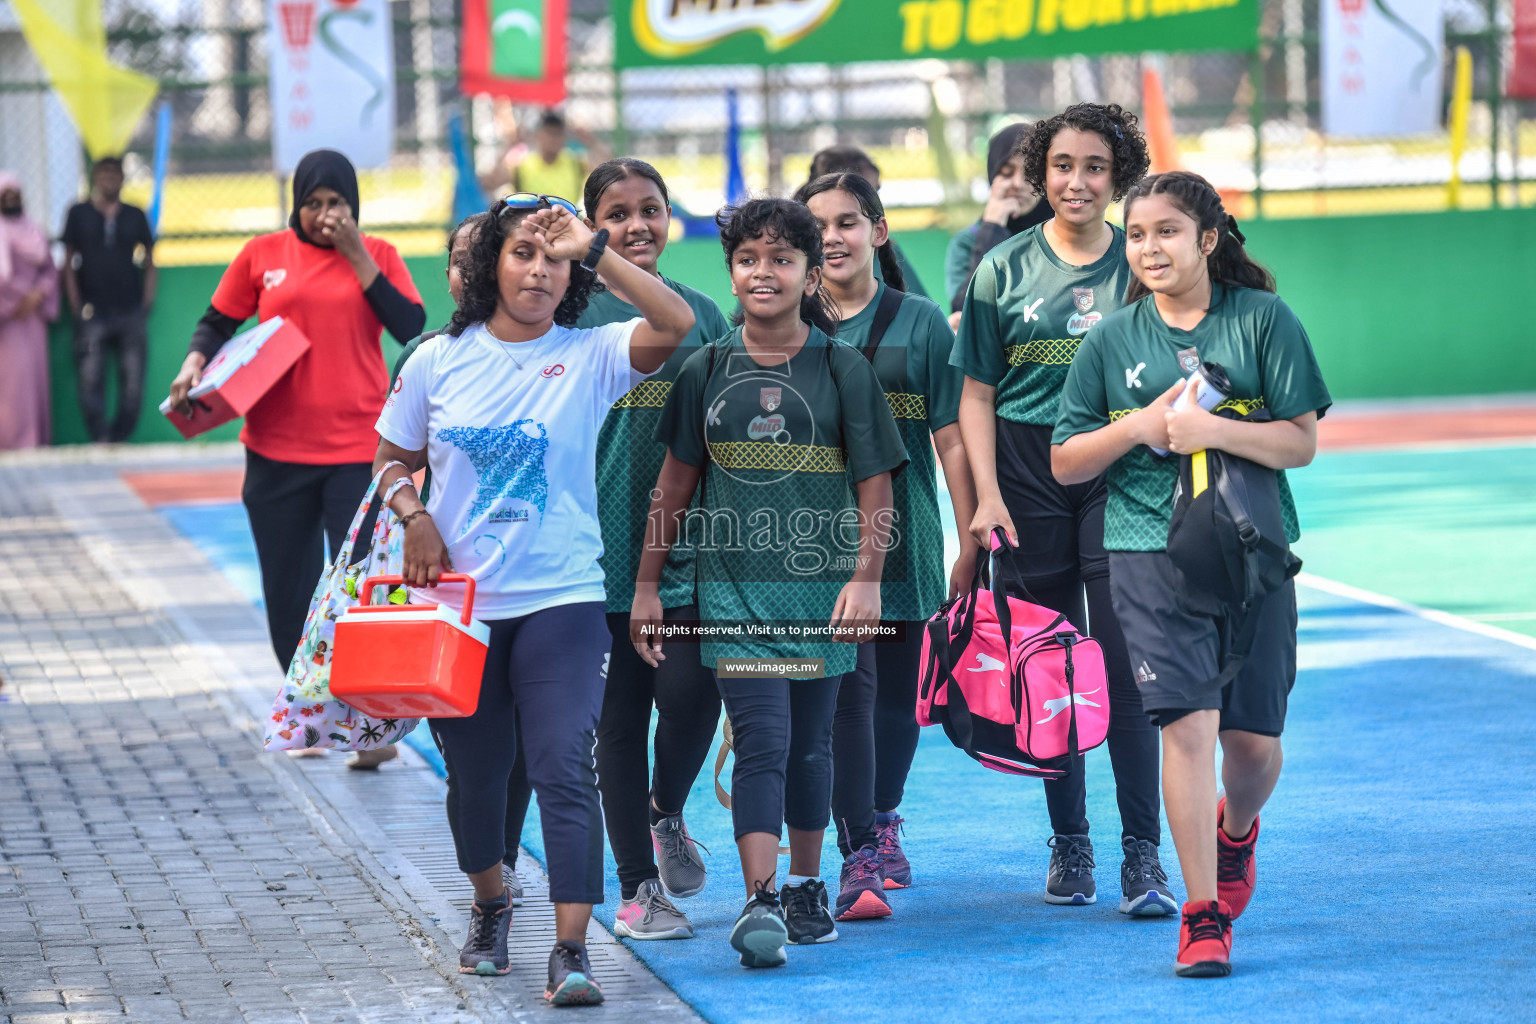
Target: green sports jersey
[
  {"x": 1026, "y": 312},
  {"x": 629, "y": 458},
  {"x": 957, "y": 259},
  {"x": 923, "y": 391},
  {"x": 1133, "y": 357},
  {"x": 777, "y": 528}
]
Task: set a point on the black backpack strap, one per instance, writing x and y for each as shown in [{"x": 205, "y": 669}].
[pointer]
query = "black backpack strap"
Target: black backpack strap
[
  {"x": 885, "y": 314},
  {"x": 1260, "y": 553}
]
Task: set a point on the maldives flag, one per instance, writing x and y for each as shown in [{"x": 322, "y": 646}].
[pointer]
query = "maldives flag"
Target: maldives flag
[{"x": 515, "y": 49}]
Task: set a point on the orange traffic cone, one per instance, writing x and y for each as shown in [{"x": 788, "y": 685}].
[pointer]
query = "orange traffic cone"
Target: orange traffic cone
[{"x": 1162, "y": 147}]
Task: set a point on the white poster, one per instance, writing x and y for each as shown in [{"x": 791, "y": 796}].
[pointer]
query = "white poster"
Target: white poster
[
  {"x": 1381, "y": 66},
  {"x": 332, "y": 80}
]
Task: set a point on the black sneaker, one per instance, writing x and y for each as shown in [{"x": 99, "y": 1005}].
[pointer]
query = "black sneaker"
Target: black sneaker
[
  {"x": 485, "y": 951},
  {"x": 806, "y": 916},
  {"x": 570, "y": 977},
  {"x": 759, "y": 932},
  {"x": 1143, "y": 882},
  {"x": 1069, "y": 879}
]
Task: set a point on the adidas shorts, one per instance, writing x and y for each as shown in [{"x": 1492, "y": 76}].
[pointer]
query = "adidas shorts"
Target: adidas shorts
[{"x": 1174, "y": 648}]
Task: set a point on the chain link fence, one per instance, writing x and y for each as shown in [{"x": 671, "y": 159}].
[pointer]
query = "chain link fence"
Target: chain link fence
[{"x": 925, "y": 123}]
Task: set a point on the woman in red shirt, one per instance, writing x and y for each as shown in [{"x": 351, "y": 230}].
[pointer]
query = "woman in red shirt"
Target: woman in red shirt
[{"x": 310, "y": 441}]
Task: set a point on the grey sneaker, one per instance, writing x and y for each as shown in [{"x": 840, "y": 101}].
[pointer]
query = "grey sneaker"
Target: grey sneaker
[
  {"x": 570, "y": 977},
  {"x": 759, "y": 932},
  {"x": 650, "y": 915},
  {"x": 513, "y": 882},
  {"x": 1069, "y": 879},
  {"x": 1143, "y": 882},
  {"x": 485, "y": 951},
  {"x": 677, "y": 857}
]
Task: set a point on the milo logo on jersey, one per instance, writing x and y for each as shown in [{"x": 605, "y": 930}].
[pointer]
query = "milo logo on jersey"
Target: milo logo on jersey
[
  {"x": 1078, "y": 323},
  {"x": 765, "y": 427}
]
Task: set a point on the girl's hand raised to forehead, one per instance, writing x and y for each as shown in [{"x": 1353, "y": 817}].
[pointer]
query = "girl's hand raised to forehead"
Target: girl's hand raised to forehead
[{"x": 561, "y": 235}]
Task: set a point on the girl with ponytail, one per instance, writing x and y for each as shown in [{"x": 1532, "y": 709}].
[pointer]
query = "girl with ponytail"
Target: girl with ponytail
[
  {"x": 643, "y": 807},
  {"x": 1199, "y": 298},
  {"x": 1033, "y": 301},
  {"x": 908, "y": 341},
  {"x": 787, "y": 440}
]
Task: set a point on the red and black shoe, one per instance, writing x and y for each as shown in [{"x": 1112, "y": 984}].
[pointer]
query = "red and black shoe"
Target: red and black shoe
[
  {"x": 1205, "y": 941},
  {"x": 1236, "y": 871}
]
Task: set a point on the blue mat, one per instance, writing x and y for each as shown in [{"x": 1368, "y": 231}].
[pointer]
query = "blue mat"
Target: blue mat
[{"x": 1395, "y": 867}]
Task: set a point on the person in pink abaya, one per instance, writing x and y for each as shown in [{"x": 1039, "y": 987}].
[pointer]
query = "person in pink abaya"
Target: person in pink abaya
[{"x": 29, "y": 300}]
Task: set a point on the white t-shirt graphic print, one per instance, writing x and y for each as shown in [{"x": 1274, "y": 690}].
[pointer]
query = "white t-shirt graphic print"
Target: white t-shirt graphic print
[{"x": 513, "y": 453}]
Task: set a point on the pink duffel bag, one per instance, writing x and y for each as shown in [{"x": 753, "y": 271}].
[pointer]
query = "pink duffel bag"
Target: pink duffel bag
[{"x": 1014, "y": 684}]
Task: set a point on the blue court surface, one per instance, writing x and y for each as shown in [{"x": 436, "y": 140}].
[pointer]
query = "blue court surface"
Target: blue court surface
[{"x": 1397, "y": 869}]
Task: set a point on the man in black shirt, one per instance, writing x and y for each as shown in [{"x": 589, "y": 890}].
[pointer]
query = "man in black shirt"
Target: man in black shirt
[{"x": 106, "y": 245}]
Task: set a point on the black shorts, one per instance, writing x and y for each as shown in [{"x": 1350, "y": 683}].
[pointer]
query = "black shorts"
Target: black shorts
[
  {"x": 1175, "y": 648},
  {"x": 1060, "y": 526}
]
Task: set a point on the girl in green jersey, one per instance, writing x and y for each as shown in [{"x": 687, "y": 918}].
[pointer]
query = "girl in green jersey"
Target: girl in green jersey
[
  {"x": 1032, "y": 302},
  {"x": 908, "y": 340},
  {"x": 788, "y": 441},
  {"x": 1199, "y": 298},
  {"x": 643, "y": 808}
]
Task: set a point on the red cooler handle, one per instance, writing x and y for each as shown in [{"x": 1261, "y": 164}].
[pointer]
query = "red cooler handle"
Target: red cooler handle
[{"x": 447, "y": 577}]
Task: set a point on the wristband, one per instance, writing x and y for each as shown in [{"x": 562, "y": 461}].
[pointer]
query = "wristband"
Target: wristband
[{"x": 595, "y": 254}]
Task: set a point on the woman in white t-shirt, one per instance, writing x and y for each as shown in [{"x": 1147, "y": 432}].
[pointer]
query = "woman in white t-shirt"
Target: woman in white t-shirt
[{"x": 505, "y": 408}]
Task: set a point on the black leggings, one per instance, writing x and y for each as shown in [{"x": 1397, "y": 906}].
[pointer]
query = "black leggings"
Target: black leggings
[
  {"x": 874, "y": 735},
  {"x": 1061, "y": 553},
  {"x": 781, "y": 730},
  {"x": 688, "y": 708},
  {"x": 294, "y": 509},
  {"x": 1133, "y": 741},
  {"x": 519, "y": 794},
  {"x": 543, "y": 671}
]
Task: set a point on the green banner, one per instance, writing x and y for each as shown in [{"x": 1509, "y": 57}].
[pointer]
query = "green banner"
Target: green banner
[{"x": 660, "y": 32}]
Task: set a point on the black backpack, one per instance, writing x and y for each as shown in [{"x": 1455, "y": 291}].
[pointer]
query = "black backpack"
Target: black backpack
[{"x": 1227, "y": 540}]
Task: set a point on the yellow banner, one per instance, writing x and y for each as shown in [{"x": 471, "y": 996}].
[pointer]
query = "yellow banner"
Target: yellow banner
[{"x": 105, "y": 101}]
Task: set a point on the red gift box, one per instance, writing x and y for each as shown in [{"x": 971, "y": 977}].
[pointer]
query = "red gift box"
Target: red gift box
[{"x": 239, "y": 375}]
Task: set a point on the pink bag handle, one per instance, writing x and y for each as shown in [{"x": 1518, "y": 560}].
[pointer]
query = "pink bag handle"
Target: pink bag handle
[{"x": 447, "y": 577}]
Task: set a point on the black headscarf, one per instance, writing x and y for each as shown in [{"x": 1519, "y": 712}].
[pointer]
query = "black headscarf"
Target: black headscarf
[
  {"x": 1002, "y": 147},
  {"x": 323, "y": 168}
]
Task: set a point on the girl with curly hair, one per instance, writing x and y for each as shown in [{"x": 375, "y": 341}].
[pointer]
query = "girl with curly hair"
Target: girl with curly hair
[
  {"x": 787, "y": 439},
  {"x": 908, "y": 341},
  {"x": 1027, "y": 310},
  {"x": 1198, "y": 298},
  {"x": 643, "y": 808},
  {"x": 505, "y": 408}
]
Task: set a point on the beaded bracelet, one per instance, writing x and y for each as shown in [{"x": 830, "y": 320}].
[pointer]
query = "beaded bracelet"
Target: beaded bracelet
[{"x": 406, "y": 520}]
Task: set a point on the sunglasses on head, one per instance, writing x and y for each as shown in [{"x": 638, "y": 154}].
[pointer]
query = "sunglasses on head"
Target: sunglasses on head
[{"x": 535, "y": 201}]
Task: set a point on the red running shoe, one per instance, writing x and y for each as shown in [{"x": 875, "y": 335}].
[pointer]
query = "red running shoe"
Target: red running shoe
[
  {"x": 1236, "y": 872},
  {"x": 1205, "y": 941}
]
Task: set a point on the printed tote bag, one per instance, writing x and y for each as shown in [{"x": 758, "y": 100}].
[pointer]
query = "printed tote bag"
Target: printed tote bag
[{"x": 305, "y": 714}]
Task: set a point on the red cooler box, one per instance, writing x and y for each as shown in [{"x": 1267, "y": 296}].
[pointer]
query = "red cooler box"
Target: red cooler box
[
  {"x": 410, "y": 660},
  {"x": 239, "y": 375}
]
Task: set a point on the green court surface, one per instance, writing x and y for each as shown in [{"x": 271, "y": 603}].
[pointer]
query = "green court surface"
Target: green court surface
[{"x": 1448, "y": 528}]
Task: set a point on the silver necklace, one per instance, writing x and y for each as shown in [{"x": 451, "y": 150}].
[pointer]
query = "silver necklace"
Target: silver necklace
[{"x": 505, "y": 346}]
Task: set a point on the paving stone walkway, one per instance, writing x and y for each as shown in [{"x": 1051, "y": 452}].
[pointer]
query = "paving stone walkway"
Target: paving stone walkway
[{"x": 155, "y": 864}]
